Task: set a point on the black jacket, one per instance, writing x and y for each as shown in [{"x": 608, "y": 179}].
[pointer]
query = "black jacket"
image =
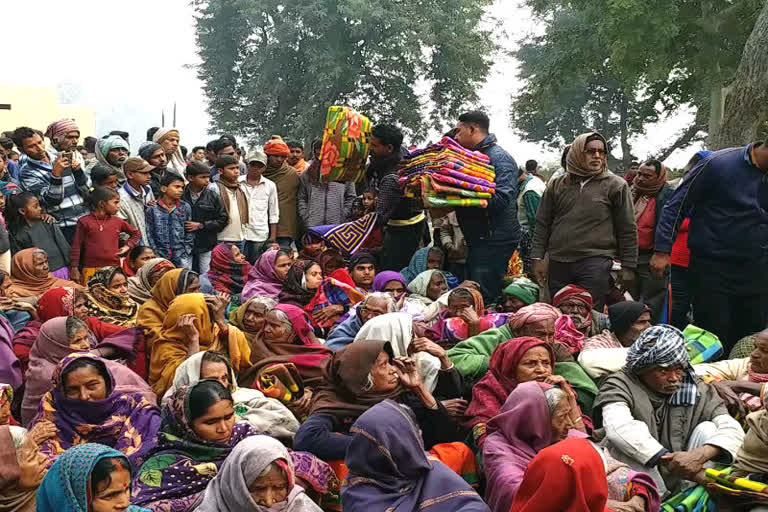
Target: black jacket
[{"x": 210, "y": 212}]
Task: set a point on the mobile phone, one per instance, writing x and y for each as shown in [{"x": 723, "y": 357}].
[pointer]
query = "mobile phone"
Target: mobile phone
[{"x": 67, "y": 155}]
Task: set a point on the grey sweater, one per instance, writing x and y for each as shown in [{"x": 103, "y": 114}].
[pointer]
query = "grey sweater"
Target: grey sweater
[{"x": 324, "y": 203}]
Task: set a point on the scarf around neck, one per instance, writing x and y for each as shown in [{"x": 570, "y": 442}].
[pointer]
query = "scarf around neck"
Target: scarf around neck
[{"x": 240, "y": 197}]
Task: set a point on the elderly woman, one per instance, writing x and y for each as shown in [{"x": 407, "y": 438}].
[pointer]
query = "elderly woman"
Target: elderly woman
[
  {"x": 267, "y": 276},
  {"x": 108, "y": 297},
  {"x": 533, "y": 417},
  {"x": 258, "y": 476},
  {"x": 89, "y": 477},
  {"x": 389, "y": 470},
  {"x": 251, "y": 316},
  {"x": 396, "y": 285},
  {"x": 465, "y": 316},
  {"x": 140, "y": 285},
  {"x": 659, "y": 418},
  {"x": 373, "y": 304},
  {"x": 30, "y": 276},
  {"x": 85, "y": 405},
  {"x": 428, "y": 286},
  {"x": 22, "y": 468}
]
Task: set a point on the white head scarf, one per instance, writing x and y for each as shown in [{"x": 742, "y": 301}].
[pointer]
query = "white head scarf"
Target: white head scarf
[{"x": 176, "y": 161}]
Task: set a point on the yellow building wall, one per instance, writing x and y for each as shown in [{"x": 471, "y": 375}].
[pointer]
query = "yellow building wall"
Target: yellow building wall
[{"x": 37, "y": 107}]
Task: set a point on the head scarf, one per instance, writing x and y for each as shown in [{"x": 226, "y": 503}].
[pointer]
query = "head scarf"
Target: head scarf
[
  {"x": 139, "y": 286},
  {"x": 572, "y": 291},
  {"x": 12, "y": 499},
  {"x": 61, "y": 127},
  {"x": 104, "y": 146},
  {"x": 524, "y": 289},
  {"x": 535, "y": 313},
  {"x": 229, "y": 490},
  {"x": 10, "y": 366},
  {"x": 262, "y": 278},
  {"x": 492, "y": 390},
  {"x": 67, "y": 485},
  {"x": 522, "y": 428},
  {"x": 294, "y": 288},
  {"x": 382, "y": 278},
  {"x": 125, "y": 421},
  {"x": 579, "y": 473},
  {"x": 225, "y": 274},
  {"x": 24, "y": 282},
  {"x": 455, "y": 329},
  {"x": 576, "y": 160},
  {"x": 420, "y": 284},
  {"x": 185, "y": 462},
  {"x": 418, "y": 263},
  {"x": 663, "y": 346},
  {"x": 650, "y": 189},
  {"x": 152, "y": 312},
  {"x": 107, "y": 305},
  {"x": 237, "y": 315},
  {"x": 624, "y": 314},
  {"x": 328, "y": 256},
  {"x": 344, "y": 392},
  {"x": 147, "y": 149},
  {"x": 276, "y": 146},
  {"x": 389, "y": 470},
  {"x": 176, "y": 160}
]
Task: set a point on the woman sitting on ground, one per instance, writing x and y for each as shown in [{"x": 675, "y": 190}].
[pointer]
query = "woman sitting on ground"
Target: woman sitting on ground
[
  {"x": 89, "y": 477},
  {"x": 137, "y": 257},
  {"x": 465, "y": 317},
  {"x": 251, "y": 317},
  {"x": 108, "y": 297},
  {"x": 267, "y": 415},
  {"x": 258, "y": 476},
  {"x": 58, "y": 338},
  {"x": 388, "y": 468},
  {"x": 395, "y": 284},
  {"x": 152, "y": 313},
  {"x": 30, "y": 276},
  {"x": 86, "y": 406},
  {"x": 140, "y": 285},
  {"x": 227, "y": 274},
  {"x": 428, "y": 286},
  {"x": 267, "y": 276},
  {"x": 22, "y": 468},
  {"x": 301, "y": 283},
  {"x": 428, "y": 258},
  {"x": 534, "y": 416}
]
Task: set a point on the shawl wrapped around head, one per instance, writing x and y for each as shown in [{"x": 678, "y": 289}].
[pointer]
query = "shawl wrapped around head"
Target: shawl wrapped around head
[
  {"x": 50, "y": 347},
  {"x": 535, "y": 313},
  {"x": 126, "y": 422},
  {"x": 576, "y": 160},
  {"x": 572, "y": 291},
  {"x": 455, "y": 329},
  {"x": 226, "y": 275},
  {"x": 140, "y": 285},
  {"x": 104, "y": 146},
  {"x": 304, "y": 352},
  {"x": 492, "y": 390},
  {"x": 524, "y": 289},
  {"x": 237, "y": 315},
  {"x": 417, "y": 265},
  {"x": 67, "y": 485},
  {"x": 382, "y": 278},
  {"x": 343, "y": 392},
  {"x": 338, "y": 289},
  {"x": 229, "y": 489},
  {"x": 650, "y": 189},
  {"x": 294, "y": 289},
  {"x": 420, "y": 284},
  {"x": 389, "y": 470},
  {"x": 176, "y": 161},
  {"x": 107, "y": 305},
  {"x": 57, "y": 302},
  {"x": 24, "y": 282},
  {"x": 171, "y": 347},
  {"x": 10, "y": 366},
  {"x": 152, "y": 312},
  {"x": 567, "y": 334},
  {"x": 12, "y": 499},
  {"x": 262, "y": 278}
]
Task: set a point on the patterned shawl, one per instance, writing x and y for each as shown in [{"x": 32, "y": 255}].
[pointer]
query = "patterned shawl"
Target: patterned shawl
[
  {"x": 107, "y": 305},
  {"x": 492, "y": 391},
  {"x": 152, "y": 312},
  {"x": 140, "y": 285},
  {"x": 226, "y": 275},
  {"x": 389, "y": 470},
  {"x": 262, "y": 279},
  {"x": 338, "y": 289},
  {"x": 24, "y": 282},
  {"x": 67, "y": 485},
  {"x": 6, "y": 397},
  {"x": 126, "y": 422},
  {"x": 294, "y": 289},
  {"x": 455, "y": 329},
  {"x": 177, "y": 471}
]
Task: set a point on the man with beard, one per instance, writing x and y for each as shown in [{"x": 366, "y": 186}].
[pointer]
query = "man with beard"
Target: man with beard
[
  {"x": 170, "y": 140},
  {"x": 112, "y": 151},
  {"x": 286, "y": 179},
  {"x": 64, "y": 135},
  {"x": 296, "y": 158},
  {"x": 577, "y": 303},
  {"x": 154, "y": 154},
  {"x": 606, "y": 353},
  {"x": 61, "y": 185}
]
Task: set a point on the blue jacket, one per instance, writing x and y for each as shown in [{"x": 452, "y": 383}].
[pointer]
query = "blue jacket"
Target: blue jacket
[
  {"x": 166, "y": 233},
  {"x": 726, "y": 197},
  {"x": 498, "y": 222}
]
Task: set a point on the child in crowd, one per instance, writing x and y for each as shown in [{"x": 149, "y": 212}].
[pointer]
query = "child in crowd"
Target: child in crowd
[
  {"x": 25, "y": 223},
  {"x": 209, "y": 216},
  {"x": 234, "y": 199},
  {"x": 97, "y": 236},
  {"x": 369, "y": 200},
  {"x": 104, "y": 176},
  {"x": 166, "y": 223},
  {"x": 136, "y": 194}
]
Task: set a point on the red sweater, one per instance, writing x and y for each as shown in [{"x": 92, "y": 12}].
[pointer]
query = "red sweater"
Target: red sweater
[
  {"x": 97, "y": 241},
  {"x": 681, "y": 255}
]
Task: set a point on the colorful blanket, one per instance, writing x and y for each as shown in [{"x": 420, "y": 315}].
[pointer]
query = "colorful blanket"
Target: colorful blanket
[
  {"x": 346, "y": 139},
  {"x": 347, "y": 237}
]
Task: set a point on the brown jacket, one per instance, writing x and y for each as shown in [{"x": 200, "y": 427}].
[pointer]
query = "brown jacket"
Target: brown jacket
[{"x": 576, "y": 222}]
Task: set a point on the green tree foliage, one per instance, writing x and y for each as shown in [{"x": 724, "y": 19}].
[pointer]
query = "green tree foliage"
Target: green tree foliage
[{"x": 271, "y": 66}]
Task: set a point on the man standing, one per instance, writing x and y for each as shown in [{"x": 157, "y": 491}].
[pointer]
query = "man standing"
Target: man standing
[
  {"x": 286, "y": 179},
  {"x": 492, "y": 233},
  {"x": 112, "y": 152},
  {"x": 726, "y": 197},
  {"x": 198, "y": 154},
  {"x": 263, "y": 208},
  {"x": 64, "y": 135},
  {"x": 585, "y": 220},
  {"x": 170, "y": 139},
  {"x": 531, "y": 188},
  {"x": 296, "y": 158},
  {"x": 60, "y": 184},
  {"x": 649, "y": 194},
  {"x": 326, "y": 203}
]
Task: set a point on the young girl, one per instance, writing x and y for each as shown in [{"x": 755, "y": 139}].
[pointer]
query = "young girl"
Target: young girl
[
  {"x": 97, "y": 236},
  {"x": 28, "y": 229}
]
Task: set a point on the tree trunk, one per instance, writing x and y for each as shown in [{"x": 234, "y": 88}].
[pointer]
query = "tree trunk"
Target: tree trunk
[
  {"x": 626, "y": 149},
  {"x": 747, "y": 103}
]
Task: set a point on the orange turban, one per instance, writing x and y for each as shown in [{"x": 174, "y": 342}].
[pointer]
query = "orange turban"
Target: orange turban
[{"x": 276, "y": 146}]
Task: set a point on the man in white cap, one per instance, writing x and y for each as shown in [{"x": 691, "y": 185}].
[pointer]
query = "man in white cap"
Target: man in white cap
[{"x": 263, "y": 209}]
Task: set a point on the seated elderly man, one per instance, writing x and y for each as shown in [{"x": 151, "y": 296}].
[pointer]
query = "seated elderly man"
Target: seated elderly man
[
  {"x": 577, "y": 303},
  {"x": 372, "y": 305},
  {"x": 659, "y": 418},
  {"x": 606, "y": 353},
  {"x": 521, "y": 292}
]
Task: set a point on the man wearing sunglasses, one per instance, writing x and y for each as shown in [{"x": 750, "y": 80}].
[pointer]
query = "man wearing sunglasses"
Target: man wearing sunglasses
[{"x": 584, "y": 222}]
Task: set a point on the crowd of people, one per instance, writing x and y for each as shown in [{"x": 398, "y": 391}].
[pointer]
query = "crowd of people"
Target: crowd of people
[{"x": 179, "y": 332}]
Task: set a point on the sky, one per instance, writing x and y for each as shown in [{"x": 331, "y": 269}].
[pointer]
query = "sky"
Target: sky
[{"x": 130, "y": 61}]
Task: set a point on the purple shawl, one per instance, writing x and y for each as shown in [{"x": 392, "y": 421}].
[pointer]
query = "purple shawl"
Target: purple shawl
[
  {"x": 382, "y": 278},
  {"x": 389, "y": 470},
  {"x": 10, "y": 367},
  {"x": 262, "y": 279},
  {"x": 124, "y": 421}
]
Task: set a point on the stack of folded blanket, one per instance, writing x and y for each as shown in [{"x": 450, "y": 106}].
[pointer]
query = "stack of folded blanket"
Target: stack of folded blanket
[{"x": 447, "y": 175}]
